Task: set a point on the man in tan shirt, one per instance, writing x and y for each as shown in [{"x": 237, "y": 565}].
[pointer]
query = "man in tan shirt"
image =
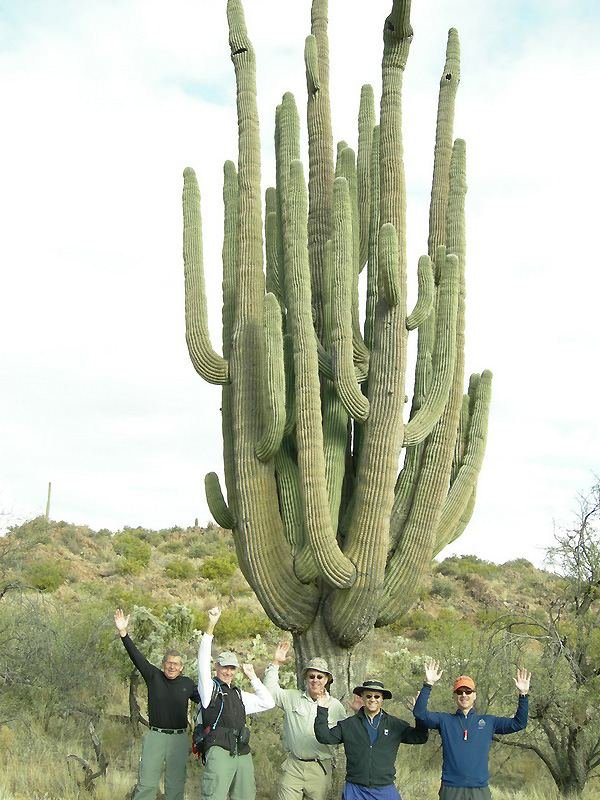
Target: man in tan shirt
[{"x": 306, "y": 772}]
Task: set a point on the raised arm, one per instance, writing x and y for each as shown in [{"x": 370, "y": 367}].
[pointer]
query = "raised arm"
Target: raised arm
[
  {"x": 261, "y": 700},
  {"x": 205, "y": 684},
  {"x": 140, "y": 662},
  {"x": 504, "y": 725},
  {"x": 271, "y": 679},
  {"x": 323, "y": 733},
  {"x": 430, "y": 719},
  {"x": 417, "y": 734}
]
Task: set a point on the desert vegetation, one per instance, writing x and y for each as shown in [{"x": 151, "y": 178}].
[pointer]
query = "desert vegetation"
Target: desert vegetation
[{"x": 72, "y": 709}]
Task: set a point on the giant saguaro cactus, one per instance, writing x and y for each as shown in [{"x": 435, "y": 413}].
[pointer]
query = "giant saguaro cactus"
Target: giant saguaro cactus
[{"x": 338, "y": 494}]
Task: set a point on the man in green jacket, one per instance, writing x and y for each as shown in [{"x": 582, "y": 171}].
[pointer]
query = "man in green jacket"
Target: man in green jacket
[{"x": 371, "y": 739}]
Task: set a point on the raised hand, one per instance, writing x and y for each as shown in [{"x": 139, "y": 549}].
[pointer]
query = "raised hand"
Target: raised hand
[
  {"x": 357, "y": 702},
  {"x": 213, "y": 618},
  {"x": 522, "y": 680},
  {"x": 322, "y": 700},
  {"x": 281, "y": 653},
  {"x": 121, "y": 621},
  {"x": 432, "y": 671},
  {"x": 249, "y": 671}
]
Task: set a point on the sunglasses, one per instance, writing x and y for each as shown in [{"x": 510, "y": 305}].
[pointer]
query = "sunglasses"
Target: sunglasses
[
  {"x": 463, "y": 691},
  {"x": 369, "y": 696},
  {"x": 316, "y": 676}
]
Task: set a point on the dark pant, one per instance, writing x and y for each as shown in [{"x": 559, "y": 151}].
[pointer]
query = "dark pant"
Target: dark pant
[{"x": 465, "y": 793}]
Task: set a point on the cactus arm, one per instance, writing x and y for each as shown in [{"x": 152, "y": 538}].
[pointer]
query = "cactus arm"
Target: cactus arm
[
  {"x": 388, "y": 260},
  {"x": 462, "y": 523},
  {"x": 335, "y": 568},
  {"x": 263, "y": 552},
  {"x": 229, "y": 259},
  {"x": 350, "y": 614},
  {"x": 464, "y": 486},
  {"x": 444, "y": 356},
  {"x": 320, "y": 154},
  {"x": 366, "y": 125},
  {"x": 372, "y": 268},
  {"x": 461, "y": 438},
  {"x": 274, "y": 407},
  {"x": 346, "y": 168},
  {"x": 290, "y": 404},
  {"x": 443, "y": 143},
  {"x": 424, "y": 302},
  {"x": 353, "y": 400},
  {"x": 208, "y": 364},
  {"x": 415, "y": 544},
  {"x": 273, "y": 243},
  {"x": 216, "y": 502}
]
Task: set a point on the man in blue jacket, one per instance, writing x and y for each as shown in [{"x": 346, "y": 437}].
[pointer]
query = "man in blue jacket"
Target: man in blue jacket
[{"x": 467, "y": 735}]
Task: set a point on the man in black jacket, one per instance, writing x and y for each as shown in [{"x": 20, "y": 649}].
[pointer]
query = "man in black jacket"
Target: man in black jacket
[
  {"x": 371, "y": 739},
  {"x": 166, "y": 742}
]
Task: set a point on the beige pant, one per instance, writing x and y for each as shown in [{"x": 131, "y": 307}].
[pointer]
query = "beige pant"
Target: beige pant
[{"x": 304, "y": 780}]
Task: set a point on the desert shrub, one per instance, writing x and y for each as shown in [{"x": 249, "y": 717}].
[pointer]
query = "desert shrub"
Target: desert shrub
[
  {"x": 461, "y": 566},
  {"x": 208, "y": 543},
  {"x": 241, "y": 623},
  {"x": 180, "y": 568},
  {"x": 46, "y": 574},
  {"x": 126, "y": 597},
  {"x": 479, "y": 590},
  {"x": 443, "y": 586},
  {"x": 172, "y": 546},
  {"x": 135, "y": 553},
  {"x": 219, "y": 567}
]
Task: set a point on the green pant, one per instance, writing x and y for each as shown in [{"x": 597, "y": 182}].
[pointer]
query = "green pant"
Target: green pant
[
  {"x": 304, "y": 779},
  {"x": 158, "y": 749},
  {"x": 227, "y": 776},
  {"x": 464, "y": 793}
]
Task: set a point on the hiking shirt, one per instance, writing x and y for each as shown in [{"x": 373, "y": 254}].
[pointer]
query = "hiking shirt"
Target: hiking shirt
[
  {"x": 369, "y": 764},
  {"x": 299, "y": 723},
  {"x": 167, "y": 697},
  {"x": 466, "y": 740},
  {"x": 254, "y": 702}
]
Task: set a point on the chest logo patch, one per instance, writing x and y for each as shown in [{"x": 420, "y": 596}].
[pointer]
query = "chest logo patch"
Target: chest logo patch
[
  {"x": 385, "y": 731},
  {"x": 481, "y": 723}
]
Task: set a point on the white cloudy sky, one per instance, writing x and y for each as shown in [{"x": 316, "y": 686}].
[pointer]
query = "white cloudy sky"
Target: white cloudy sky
[{"x": 104, "y": 103}]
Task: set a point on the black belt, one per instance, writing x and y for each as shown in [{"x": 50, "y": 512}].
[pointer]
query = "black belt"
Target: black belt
[
  {"x": 316, "y": 760},
  {"x": 168, "y": 730}
]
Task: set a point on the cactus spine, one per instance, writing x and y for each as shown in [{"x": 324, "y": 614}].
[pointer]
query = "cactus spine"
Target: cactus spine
[{"x": 332, "y": 536}]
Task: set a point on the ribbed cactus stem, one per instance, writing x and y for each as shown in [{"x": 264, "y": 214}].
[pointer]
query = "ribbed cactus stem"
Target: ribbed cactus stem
[
  {"x": 274, "y": 389},
  {"x": 216, "y": 502},
  {"x": 388, "y": 264},
  {"x": 366, "y": 126},
  {"x": 335, "y": 568},
  {"x": 443, "y": 359},
  {"x": 424, "y": 302},
  {"x": 443, "y": 143},
  {"x": 207, "y": 363},
  {"x": 463, "y": 487},
  {"x": 355, "y": 403}
]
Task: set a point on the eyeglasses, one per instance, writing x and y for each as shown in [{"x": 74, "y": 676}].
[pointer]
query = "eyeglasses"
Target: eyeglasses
[
  {"x": 316, "y": 676},
  {"x": 463, "y": 691},
  {"x": 369, "y": 696}
]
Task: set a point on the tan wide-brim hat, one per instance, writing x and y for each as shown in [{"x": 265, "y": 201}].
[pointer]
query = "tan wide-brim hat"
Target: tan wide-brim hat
[{"x": 318, "y": 664}]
